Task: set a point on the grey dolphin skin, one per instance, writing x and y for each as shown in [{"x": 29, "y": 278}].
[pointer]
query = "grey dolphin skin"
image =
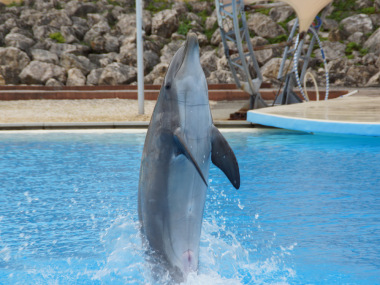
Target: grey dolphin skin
[{"x": 179, "y": 145}]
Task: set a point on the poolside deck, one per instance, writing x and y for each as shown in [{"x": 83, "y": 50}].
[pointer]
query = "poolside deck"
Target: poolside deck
[{"x": 358, "y": 114}]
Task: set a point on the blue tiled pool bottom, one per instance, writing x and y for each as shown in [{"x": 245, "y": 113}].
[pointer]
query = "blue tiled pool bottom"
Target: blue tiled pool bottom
[{"x": 308, "y": 210}]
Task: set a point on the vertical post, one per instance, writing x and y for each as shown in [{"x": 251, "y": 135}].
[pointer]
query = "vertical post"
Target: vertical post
[{"x": 140, "y": 62}]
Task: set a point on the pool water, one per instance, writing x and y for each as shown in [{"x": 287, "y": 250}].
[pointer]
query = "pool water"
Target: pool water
[{"x": 307, "y": 212}]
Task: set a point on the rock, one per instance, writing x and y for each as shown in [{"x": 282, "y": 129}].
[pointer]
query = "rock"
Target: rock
[
  {"x": 222, "y": 64},
  {"x": 53, "y": 82},
  {"x": 264, "y": 26},
  {"x": 6, "y": 16},
  {"x": 202, "y": 39},
  {"x": 147, "y": 21},
  {"x": 80, "y": 27},
  {"x": 117, "y": 11},
  {"x": 357, "y": 23},
  {"x": 38, "y": 72},
  {"x": 220, "y": 76},
  {"x": 330, "y": 24},
  {"x": 158, "y": 73},
  {"x": 378, "y": 62},
  {"x": 69, "y": 61},
  {"x": 41, "y": 5},
  {"x": 102, "y": 60},
  {"x": 357, "y": 37},
  {"x": 375, "y": 18},
  {"x": 76, "y": 49},
  {"x": 200, "y": 6},
  {"x": 360, "y": 4},
  {"x": 117, "y": 73},
  {"x": 126, "y": 24},
  {"x": 151, "y": 59},
  {"x": 193, "y": 17},
  {"x": 12, "y": 62},
  {"x": 352, "y": 78},
  {"x": 377, "y": 4},
  {"x": 338, "y": 67},
  {"x": 370, "y": 59},
  {"x": 336, "y": 35},
  {"x": 169, "y": 50},
  {"x": 373, "y": 42},
  {"x": 211, "y": 22},
  {"x": 30, "y": 17},
  {"x": 59, "y": 19},
  {"x": 93, "y": 76},
  {"x": 43, "y": 32},
  {"x": 165, "y": 23},
  {"x": 280, "y": 14},
  {"x": 95, "y": 36},
  {"x": 216, "y": 38},
  {"x": 221, "y": 51},
  {"x": 262, "y": 56},
  {"x": 11, "y": 23},
  {"x": 154, "y": 43},
  {"x": 94, "y": 19},
  {"x": 180, "y": 8},
  {"x": 80, "y": 9},
  {"x": 68, "y": 33},
  {"x": 44, "y": 56},
  {"x": 332, "y": 50},
  {"x": 128, "y": 54},
  {"x": 75, "y": 77},
  {"x": 209, "y": 62},
  {"x": 19, "y": 41},
  {"x": 112, "y": 43},
  {"x": 290, "y": 24},
  {"x": 176, "y": 37},
  {"x": 271, "y": 68},
  {"x": 2, "y": 81},
  {"x": 26, "y": 33},
  {"x": 374, "y": 81}
]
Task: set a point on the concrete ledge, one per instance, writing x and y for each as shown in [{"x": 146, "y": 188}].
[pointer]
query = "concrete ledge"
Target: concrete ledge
[
  {"x": 105, "y": 125},
  {"x": 315, "y": 126}
]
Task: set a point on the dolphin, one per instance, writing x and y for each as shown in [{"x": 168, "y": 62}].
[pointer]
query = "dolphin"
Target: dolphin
[{"x": 180, "y": 142}]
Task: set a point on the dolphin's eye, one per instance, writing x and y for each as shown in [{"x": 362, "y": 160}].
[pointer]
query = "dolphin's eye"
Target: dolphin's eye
[{"x": 168, "y": 85}]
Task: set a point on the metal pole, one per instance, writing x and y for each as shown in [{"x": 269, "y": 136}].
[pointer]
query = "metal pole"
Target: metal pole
[{"x": 140, "y": 62}]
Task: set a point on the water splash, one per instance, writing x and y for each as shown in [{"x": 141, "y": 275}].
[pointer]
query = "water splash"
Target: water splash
[{"x": 223, "y": 259}]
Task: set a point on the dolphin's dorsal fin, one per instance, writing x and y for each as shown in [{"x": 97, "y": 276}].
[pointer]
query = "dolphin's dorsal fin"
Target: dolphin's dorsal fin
[
  {"x": 181, "y": 144},
  {"x": 224, "y": 158}
]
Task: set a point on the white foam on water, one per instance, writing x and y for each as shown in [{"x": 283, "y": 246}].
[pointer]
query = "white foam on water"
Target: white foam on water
[{"x": 223, "y": 259}]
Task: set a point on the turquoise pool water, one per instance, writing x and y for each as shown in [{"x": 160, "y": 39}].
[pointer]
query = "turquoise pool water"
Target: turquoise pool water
[{"x": 308, "y": 211}]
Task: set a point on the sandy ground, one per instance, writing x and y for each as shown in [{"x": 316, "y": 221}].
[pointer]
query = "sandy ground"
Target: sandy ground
[{"x": 96, "y": 110}]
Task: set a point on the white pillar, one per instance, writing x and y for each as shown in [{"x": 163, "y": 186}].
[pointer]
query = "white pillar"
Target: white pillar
[{"x": 140, "y": 61}]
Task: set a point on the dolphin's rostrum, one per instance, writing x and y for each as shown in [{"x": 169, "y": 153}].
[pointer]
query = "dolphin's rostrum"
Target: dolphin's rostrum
[{"x": 179, "y": 145}]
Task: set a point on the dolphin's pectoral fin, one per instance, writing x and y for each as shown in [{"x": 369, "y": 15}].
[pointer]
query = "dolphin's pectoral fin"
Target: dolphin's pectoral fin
[
  {"x": 224, "y": 158},
  {"x": 181, "y": 144}
]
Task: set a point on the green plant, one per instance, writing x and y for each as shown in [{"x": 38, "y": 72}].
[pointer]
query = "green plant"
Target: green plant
[
  {"x": 343, "y": 9},
  {"x": 263, "y": 11},
  {"x": 184, "y": 28},
  {"x": 113, "y": 2},
  {"x": 16, "y": 4},
  {"x": 156, "y": 6},
  {"x": 57, "y": 37},
  {"x": 368, "y": 10},
  {"x": 278, "y": 39},
  {"x": 188, "y": 6},
  {"x": 352, "y": 46}
]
